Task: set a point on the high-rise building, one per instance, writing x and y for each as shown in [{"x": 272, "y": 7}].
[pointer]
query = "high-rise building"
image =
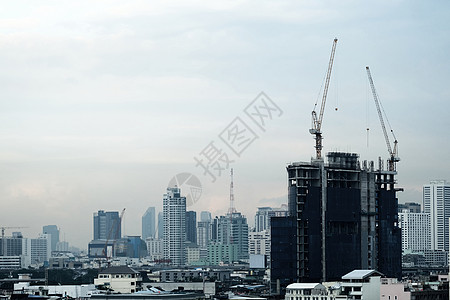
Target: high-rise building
[
  {"x": 263, "y": 215},
  {"x": 283, "y": 252},
  {"x": 191, "y": 226},
  {"x": 174, "y": 212},
  {"x": 205, "y": 216},
  {"x": 160, "y": 225},
  {"x": 436, "y": 202},
  {"x": 203, "y": 234},
  {"x": 53, "y": 231},
  {"x": 233, "y": 229},
  {"x": 40, "y": 249},
  {"x": 346, "y": 218},
  {"x": 411, "y": 207},
  {"x": 415, "y": 231},
  {"x": 107, "y": 225},
  {"x": 148, "y": 223},
  {"x": 259, "y": 242}
]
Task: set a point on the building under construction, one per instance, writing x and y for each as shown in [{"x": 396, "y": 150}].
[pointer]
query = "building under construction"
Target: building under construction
[
  {"x": 344, "y": 214},
  {"x": 345, "y": 218}
]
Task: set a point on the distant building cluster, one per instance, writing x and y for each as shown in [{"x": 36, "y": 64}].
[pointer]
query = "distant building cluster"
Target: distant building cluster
[{"x": 342, "y": 223}]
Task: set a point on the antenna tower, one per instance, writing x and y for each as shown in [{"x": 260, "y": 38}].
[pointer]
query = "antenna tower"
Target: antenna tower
[{"x": 232, "y": 209}]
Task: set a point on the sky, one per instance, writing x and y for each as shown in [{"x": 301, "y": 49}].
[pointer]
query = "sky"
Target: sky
[{"x": 102, "y": 103}]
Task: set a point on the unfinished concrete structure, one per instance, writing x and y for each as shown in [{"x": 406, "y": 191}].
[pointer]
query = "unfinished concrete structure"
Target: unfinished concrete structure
[{"x": 346, "y": 217}]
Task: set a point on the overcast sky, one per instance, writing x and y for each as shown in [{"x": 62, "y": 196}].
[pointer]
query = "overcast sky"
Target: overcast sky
[{"x": 103, "y": 102}]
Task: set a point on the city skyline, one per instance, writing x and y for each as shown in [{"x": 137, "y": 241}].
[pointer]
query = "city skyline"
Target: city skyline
[{"x": 103, "y": 104}]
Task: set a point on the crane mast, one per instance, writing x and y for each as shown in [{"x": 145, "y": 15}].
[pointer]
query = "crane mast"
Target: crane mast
[
  {"x": 317, "y": 121},
  {"x": 393, "y": 159}
]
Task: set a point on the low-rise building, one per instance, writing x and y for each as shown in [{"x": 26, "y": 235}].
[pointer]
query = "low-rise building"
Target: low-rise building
[
  {"x": 120, "y": 279},
  {"x": 306, "y": 291},
  {"x": 192, "y": 275}
]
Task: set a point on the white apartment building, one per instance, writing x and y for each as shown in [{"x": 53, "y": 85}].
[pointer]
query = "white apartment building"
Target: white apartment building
[
  {"x": 203, "y": 234},
  {"x": 436, "y": 200},
  {"x": 259, "y": 242},
  {"x": 41, "y": 250},
  {"x": 174, "y": 214},
  {"x": 415, "y": 231},
  {"x": 154, "y": 248}
]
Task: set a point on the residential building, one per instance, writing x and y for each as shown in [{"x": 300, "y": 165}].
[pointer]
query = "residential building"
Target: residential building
[
  {"x": 192, "y": 254},
  {"x": 40, "y": 249},
  {"x": 122, "y": 279},
  {"x": 415, "y": 231},
  {"x": 219, "y": 253},
  {"x": 53, "y": 231},
  {"x": 436, "y": 202},
  {"x": 62, "y": 246},
  {"x": 306, "y": 291},
  {"x": 174, "y": 212},
  {"x": 410, "y": 207},
  {"x": 233, "y": 229},
  {"x": 205, "y": 216},
  {"x": 160, "y": 225},
  {"x": 203, "y": 233},
  {"x": 259, "y": 243},
  {"x": 148, "y": 223},
  {"x": 175, "y": 275},
  {"x": 107, "y": 225},
  {"x": 154, "y": 248},
  {"x": 263, "y": 215},
  {"x": 191, "y": 226}
]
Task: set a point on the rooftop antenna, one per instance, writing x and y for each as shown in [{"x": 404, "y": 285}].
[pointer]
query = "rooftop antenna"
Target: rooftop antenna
[{"x": 232, "y": 209}]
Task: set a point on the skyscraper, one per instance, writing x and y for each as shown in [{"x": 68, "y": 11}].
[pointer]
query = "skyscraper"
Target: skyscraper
[
  {"x": 160, "y": 225},
  {"x": 107, "y": 225},
  {"x": 191, "y": 226},
  {"x": 233, "y": 229},
  {"x": 346, "y": 218},
  {"x": 205, "y": 216},
  {"x": 53, "y": 231},
  {"x": 436, "y": 202},
  {"x": 174, "y": 213},
  {"x": 263, "y": 215},
  {"x": 148, "y": 223}
]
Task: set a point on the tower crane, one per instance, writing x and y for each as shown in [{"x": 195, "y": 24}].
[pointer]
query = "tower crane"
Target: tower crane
[
  {"x": 317, "y": 120},
  {"x": 393, "y": 159}
]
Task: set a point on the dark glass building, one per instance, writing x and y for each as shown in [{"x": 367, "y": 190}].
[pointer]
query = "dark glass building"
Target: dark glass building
[{"x": 345, "y": 218}]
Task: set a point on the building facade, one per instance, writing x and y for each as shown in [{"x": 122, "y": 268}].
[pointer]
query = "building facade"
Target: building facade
[
  {"x": 263, "y": 215},
  {"x": 148, "y": 223},
  {"x": 346, "y": 218},
  {"x": 259, "y": 243},
  {"x": 107, "y": 225},
  {"x": 436, "y": 202},
  {"x": 191, "y": 226},
  {"x": 53, "y": 231},
  {"x": 233, "y": 229},
  {"x": 154, "y": 248},
  {"x": 174, "y": 213},
  {"x": 122, "y": 279},
  {"x": 40, "y": 249},
  {"x": 415, "y": 231}
]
